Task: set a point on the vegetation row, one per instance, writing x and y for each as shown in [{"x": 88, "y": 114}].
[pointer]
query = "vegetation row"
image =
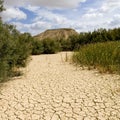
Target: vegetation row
[
  {"x": 103, "y": 56},
  {"x": 74, "y": 42}
]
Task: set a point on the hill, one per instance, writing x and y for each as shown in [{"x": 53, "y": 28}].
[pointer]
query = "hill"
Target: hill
[{"x": 62, "y": 33}]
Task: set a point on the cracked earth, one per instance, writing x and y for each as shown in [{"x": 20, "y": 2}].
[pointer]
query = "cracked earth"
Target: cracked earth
[{"x": 52, "y": 89}]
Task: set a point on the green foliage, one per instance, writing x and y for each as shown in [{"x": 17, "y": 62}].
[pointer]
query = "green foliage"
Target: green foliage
[
  {"x": 100, "y": 35},
  {"x": 1, "y": 6},
  {"x": 46, "y": 46},
  {"x": 74, "y": 42},
  {"x": 37, "y": 47},
  {"x": 104, "y": 56},
  {"x": 15, "y": 48},
  {"x": 50, "y": 46},
  {"x": 65, "y": 45},
  {"x": 23, "y": 49}
]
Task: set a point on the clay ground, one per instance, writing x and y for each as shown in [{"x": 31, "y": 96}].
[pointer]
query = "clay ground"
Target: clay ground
[{"x": 53, "y": 89}]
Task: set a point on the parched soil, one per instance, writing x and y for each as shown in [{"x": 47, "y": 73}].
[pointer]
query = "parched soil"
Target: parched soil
[{"x": 53, "y": 89}]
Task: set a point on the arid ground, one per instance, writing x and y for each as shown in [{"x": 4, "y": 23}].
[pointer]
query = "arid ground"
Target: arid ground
[{"x": 53, "y": 89}]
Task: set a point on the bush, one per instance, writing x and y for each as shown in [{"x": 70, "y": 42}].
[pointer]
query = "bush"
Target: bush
[
  {"x": 37, "y": 47},
  {"x": 23, "y": 49},
  {"x": 15, "y": 49},
  {"x": 104, "y": 56},
  {"x": 50, "y": 46},
  {"x": 65, "y": 45}
]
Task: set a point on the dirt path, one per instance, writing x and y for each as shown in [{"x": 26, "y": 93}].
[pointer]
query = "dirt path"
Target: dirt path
[{"x": 53, "y": 89}]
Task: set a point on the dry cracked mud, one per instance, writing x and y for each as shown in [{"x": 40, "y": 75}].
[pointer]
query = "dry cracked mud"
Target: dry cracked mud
[{"x": 52, "y": 89}]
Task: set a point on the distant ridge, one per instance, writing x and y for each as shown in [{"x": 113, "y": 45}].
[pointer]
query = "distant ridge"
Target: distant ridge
[{"x": 62, "y": 33}]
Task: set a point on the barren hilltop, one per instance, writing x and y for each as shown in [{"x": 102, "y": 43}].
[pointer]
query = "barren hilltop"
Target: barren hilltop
[{"x": 62, "y": 33}]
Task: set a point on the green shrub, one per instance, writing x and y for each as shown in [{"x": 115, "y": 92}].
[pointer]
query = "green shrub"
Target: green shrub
[
  {"x": 50, "y": 46},
  {"x": 104, "y": 56},
  {"x": 65, "y": 45},
  {"x": 37, "y": 47},
  {"x": 15, "y": 49},
  {"x": 23, "y": 49}
]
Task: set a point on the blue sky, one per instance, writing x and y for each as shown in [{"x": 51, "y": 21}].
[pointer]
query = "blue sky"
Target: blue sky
[{"x": 36, "y": 16}]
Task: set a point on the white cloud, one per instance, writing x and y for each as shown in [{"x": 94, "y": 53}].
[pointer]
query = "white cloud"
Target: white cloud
[
  {"x": 47, "y": 15},
  {"x": 110, "y": 5},
  {"x": 46, "y": 19},
  {"x": 40, "y": 25},
  {"x": 33, "y": 28},
  {"x": 93, "y": 15},
  {"x": 115, "y": 23},
  {"x": 107, "y": 15},
  {"x": 32, "y": 8},
  {"x": 117, "y": 16},
  {"x": 45, "y": 3},
  {"x": 14, "y": 3},
  {"x": 13, "y": 13},
  {"x": 57, "y": 3}
]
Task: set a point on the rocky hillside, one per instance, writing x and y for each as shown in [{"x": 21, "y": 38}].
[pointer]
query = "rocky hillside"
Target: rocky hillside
[{"x": 58, "y": 34}]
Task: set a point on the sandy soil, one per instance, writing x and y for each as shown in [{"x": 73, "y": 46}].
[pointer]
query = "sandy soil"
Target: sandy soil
[{"x": 53, "y": 89}]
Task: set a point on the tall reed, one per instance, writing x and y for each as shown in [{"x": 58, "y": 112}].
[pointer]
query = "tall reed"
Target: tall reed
[{"x": 103, "y": 56}]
